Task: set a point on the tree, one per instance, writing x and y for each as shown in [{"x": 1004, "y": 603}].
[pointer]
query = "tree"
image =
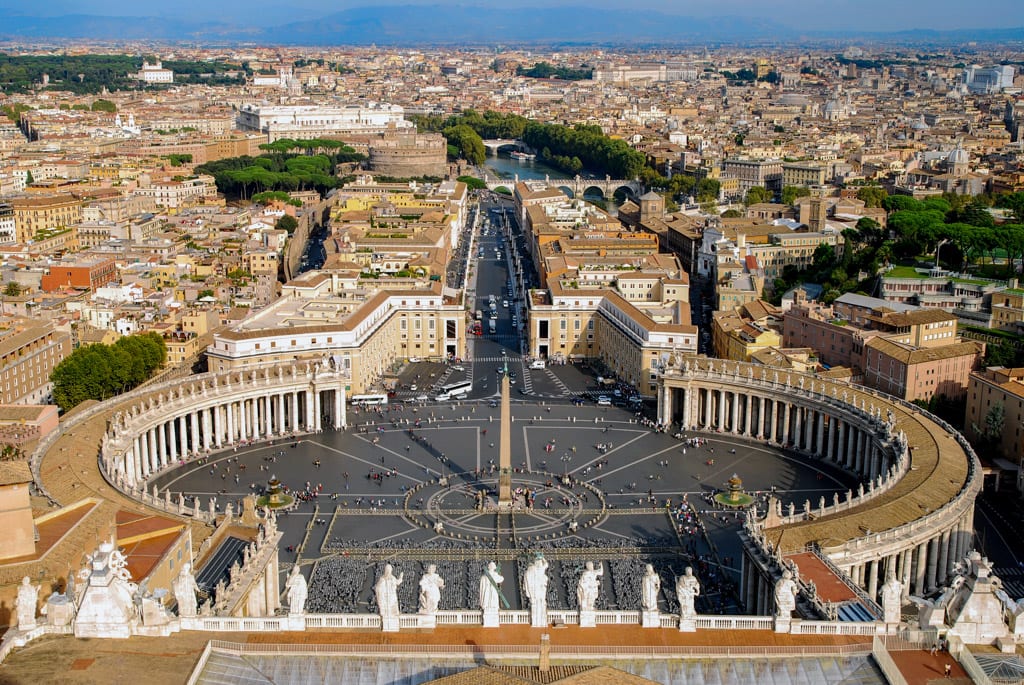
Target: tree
[
  {"x": 98, "y": 372},
  {"x": 872, "y": 196},
  {"x": 469, "y": 143},
  {"x": 287, "y": 223},
  {"x": 12, "y": 288},
  {"x": 757, "y": 195},
  {"x": 102, "y": 105},
  {"x": 791, "y": 193},
  {"x": 472, "y": 182}
]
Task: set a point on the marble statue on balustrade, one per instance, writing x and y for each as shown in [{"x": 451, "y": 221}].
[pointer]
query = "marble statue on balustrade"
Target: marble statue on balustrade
[
  {"x": 687, "y": 590},
  {"x": 296, "y": 587},
  {"x": 490, "y": 582},
  {"x": 185, "y": 589},
  {"x": 490, "y": 593},
  {"x": 386, "y": 592},
  {"x": 535, "y": 584},
  {"x": 892, "y": 597},
  {"x": 589, "y": 586},
  {"x": 650, "y": 586},
  {"x": 431, "y": 585},
  {"x": 107, "y": 607},
  {"x": 785, "y": 596},
  {"x": 28, "y": 598}
]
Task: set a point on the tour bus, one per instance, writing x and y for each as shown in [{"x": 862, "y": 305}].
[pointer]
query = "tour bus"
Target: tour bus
[
  {"x": 447, "y": 392},
  {"x": 368, "y": 399}
]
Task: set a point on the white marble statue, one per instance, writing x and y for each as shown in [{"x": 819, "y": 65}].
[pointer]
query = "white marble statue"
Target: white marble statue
[
  {"x": 892, "y": 595},
  {"x": 536, "y": 588},
  {"x": 431, "y": 585},
  {"x": 386, "y": 592},
  {"x": 588, "y": 587},
  {"x": 650, "y": 586},
  {"x": 28, "y": 597},
  {"x": 185, "y": 589},
  {"x": 296, "y": 586},
  {"x": 785, "y": 595},
  {"x": 687, "y": 588},
  {"x": 490, "y": 580}
]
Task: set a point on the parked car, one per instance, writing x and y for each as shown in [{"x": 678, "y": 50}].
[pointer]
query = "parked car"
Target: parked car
[
  {"x": 604, "y": 401},
  {"x": 537, "y": 364}
]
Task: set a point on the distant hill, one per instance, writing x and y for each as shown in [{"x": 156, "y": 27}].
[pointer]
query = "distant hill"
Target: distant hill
[{"x": 449, "y": 25}]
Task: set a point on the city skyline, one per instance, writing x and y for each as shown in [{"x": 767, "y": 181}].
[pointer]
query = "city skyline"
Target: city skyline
[{"x": 781, "y": 20}]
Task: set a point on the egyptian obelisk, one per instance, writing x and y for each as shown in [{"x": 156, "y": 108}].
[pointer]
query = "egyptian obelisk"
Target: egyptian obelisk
[{"x": 505, "y": 445}]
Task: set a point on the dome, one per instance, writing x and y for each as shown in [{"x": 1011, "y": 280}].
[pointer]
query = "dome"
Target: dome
[{"x": 958, "y": 156}]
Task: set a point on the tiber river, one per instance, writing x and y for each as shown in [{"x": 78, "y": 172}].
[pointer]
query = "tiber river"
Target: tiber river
[{"x": 503, "y": 166}]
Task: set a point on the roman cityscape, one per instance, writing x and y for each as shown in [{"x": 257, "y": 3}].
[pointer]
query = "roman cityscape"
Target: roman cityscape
[{"x": 440, "y": 344}]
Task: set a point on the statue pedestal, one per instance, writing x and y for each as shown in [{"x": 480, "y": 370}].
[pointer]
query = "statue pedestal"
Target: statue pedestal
[
  {"x": 294, "y": 622},
  {"x": 538, "y": 618},
  {"x": 688, "y": 624},
  {"x": 650, "y": 619},
  {"x": 389, "y": 624},
  {"x": 491, "y": 619},
  {"x": 426, "y": 620},
  {"x": 782, "y": 624},
  {"x": 588, "y": 619}
]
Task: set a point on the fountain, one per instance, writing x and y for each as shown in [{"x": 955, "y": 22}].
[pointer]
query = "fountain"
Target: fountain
[
  {"x": 734, "y": 497},
  {"x": 275, "y": 497}
]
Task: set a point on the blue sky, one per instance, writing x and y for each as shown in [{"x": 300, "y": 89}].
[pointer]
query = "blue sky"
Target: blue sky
[{"x": 860, "y": 15}]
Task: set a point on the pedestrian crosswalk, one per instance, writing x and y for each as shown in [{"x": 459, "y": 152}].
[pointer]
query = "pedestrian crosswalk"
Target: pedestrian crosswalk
[{"x": 512, "y": 359}]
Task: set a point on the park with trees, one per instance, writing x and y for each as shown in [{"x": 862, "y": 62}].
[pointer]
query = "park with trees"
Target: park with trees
[{"x": 286, "y": 165}]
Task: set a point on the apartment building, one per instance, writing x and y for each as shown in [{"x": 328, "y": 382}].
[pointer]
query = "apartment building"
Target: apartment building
[
  {"x": 176, "y": 194},
  {"x": 764, "y": 173},
  {"x": 993, "y": 387},
  {"x": 740, "y": 333},
  {"x": 632, "y": 324},
  {"x": 29, "y": 351},
  {"x": 33, "y": 215},
  {"x": 8, "y": 225},
  {"x": 332, "y": 315},
  {"x": 88, "y": 273}
]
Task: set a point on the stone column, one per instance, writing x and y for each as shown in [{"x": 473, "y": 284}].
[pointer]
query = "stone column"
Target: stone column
[
  {"x": 707, "y": 408},
  {"x": 154, "y": 453},
  {"x": 243, "y": 420},
  {"x": 268, "y": 403},
  {"x": 735, "y": 413},
  {"x": 933, "y": 563},
  {"x": 295, "y": 410},
  {"x": 798, "y": 427},
  {"x": 747, "y": 414},
  {"x": 172, "y": 440},
  {"x": 317, "y": 409},
  {"x": 761, "y": 407},
  {"x": 773, "y": 423},
  {"x": 831, "y": 449},
  {"x": 819, "y": 440},
  {"x": 254, "y": 418},
  {"x": 281, "y": 423},
  {"x": 943, "y": 570},
  {"x": 162, "y": 443},
  {"x": 218, "y": 425},
  {"x": 197, "y": 435},
  {"x": 720, "y": 394},
  {"x": 229, "y": 411},
  {"x": 859, "y": 466},
  {"x": 785, "y": 423},
  {"x": 204, "y": 420},
  {"x": 920, "y": 570},
  {"x": 873, "y": 579},
  {"x": 339, "y": 407},
  {"x": 308, "y": 397},
  {"x": 142, "y": 453},
  {"x": 687, "y": 398}
]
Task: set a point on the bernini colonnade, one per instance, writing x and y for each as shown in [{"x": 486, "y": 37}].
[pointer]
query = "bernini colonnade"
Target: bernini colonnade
[{"x": 913, "y": 513}]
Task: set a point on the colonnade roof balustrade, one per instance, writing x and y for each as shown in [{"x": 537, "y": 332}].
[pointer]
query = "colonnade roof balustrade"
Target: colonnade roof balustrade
[
  {"x": 942, "y": 472},
  {"x": 66, "y": 467}
]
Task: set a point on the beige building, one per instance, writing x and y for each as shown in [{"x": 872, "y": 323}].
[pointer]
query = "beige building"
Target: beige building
[
  {"x": 333, "y": 316},
  {"x": 29, "y": 351},
  {"x": 991, "y": 387},
  {"x": 739, "y": 333},
  {"x": 35, "y": 214}
]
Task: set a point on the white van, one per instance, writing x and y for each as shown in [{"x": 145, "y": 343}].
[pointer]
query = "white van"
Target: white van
[{"x": 537, "y": 364}]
